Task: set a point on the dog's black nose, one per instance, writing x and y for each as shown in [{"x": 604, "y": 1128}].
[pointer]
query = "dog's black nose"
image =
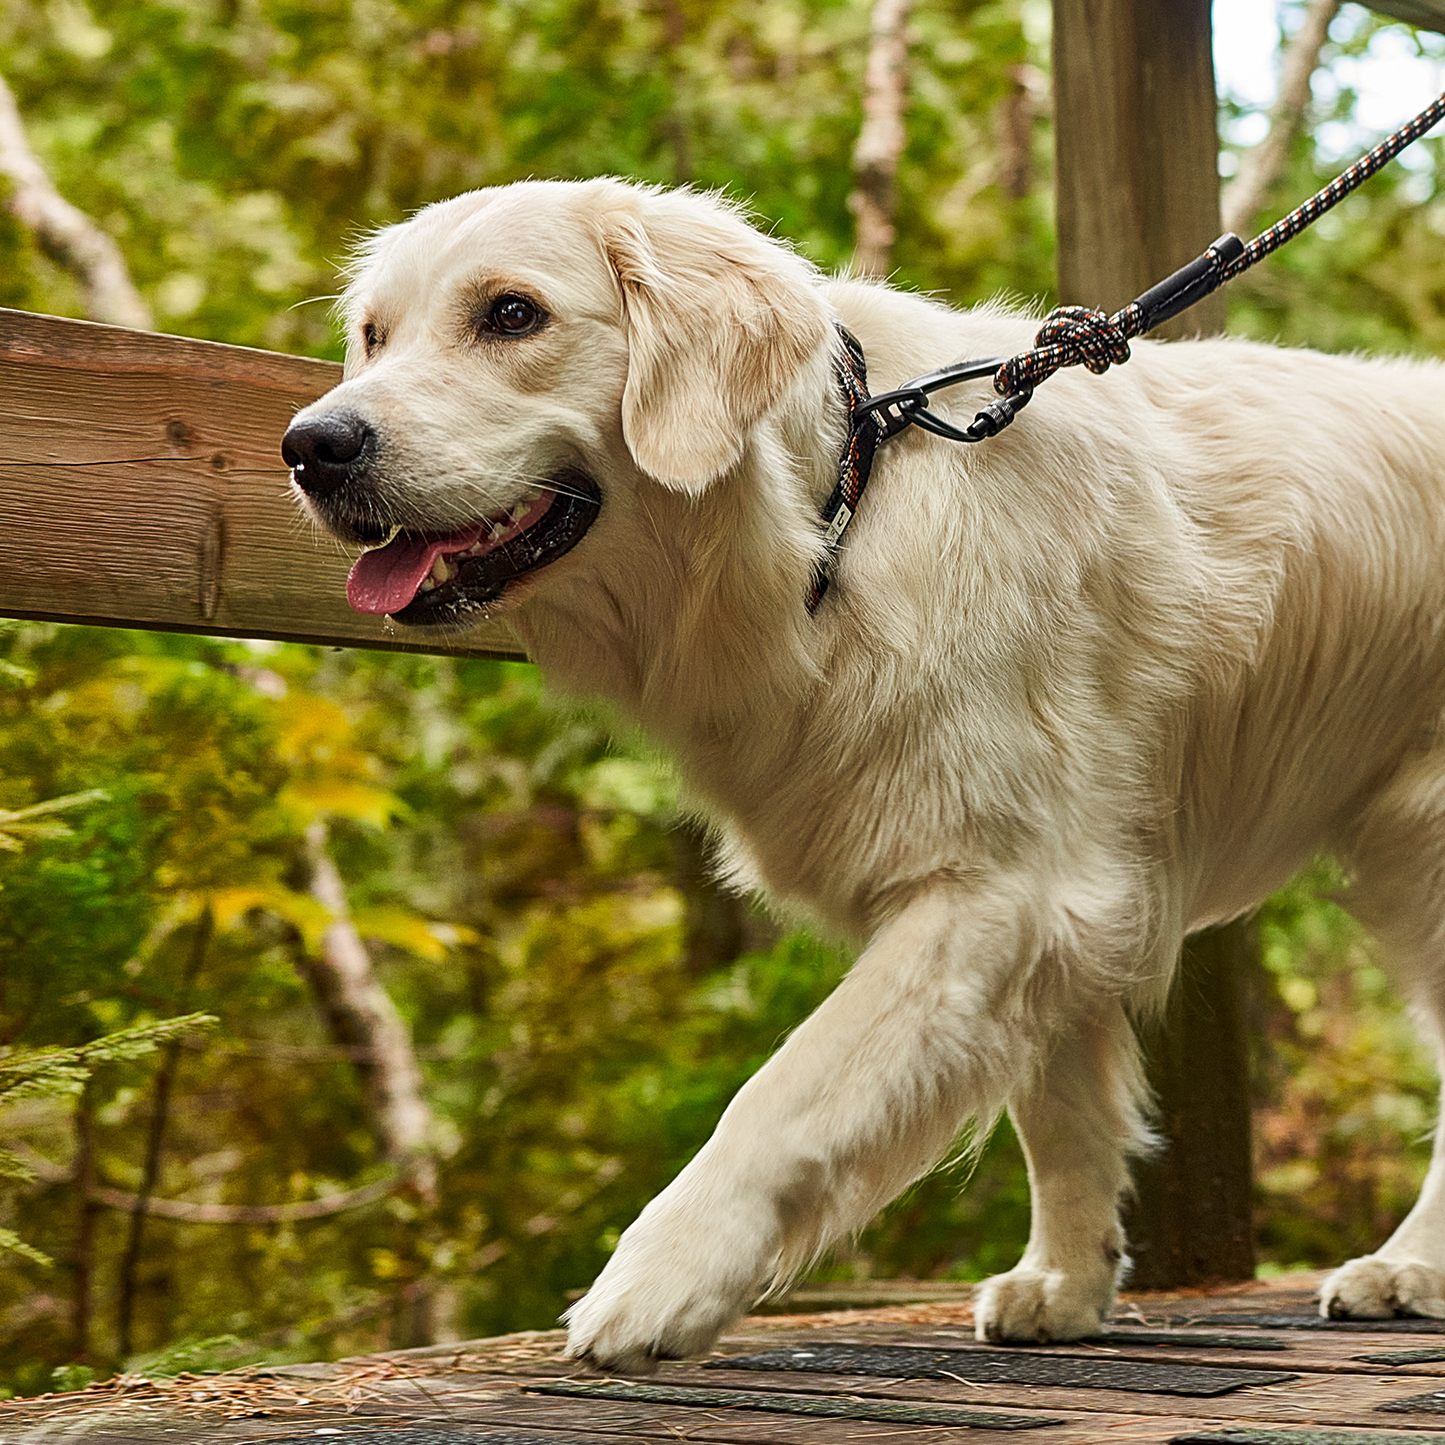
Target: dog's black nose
[{"x": 327, "y": 450}]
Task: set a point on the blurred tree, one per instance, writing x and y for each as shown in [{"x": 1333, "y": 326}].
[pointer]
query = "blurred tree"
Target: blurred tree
[
  {"x": 1260, "y": 166},
  {"x": 66, "y": 233},
  {"x": 1370, "y": 276},
  {"x": 881, "y": 138},
  {"x": 235, "y": 151}
]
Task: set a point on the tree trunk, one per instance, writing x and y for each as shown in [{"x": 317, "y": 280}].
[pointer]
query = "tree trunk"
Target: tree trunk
[
  {"x": 674, "y": 29},
  {"x": 720, "y": 925},
  {"x": 881, "y": 140},
  {"x": 1190, "y": 1221},
  {"x": 362, "y": 1013},
  {"x": 155, "y": 1139},
  {"x": 1014, "y": 128},
  {"x": 1138, "y": 197},
  {"x": 65, "y": 233},
  {"x": 1260, "y": 167},
  {"x": 82, "y": 1260}
]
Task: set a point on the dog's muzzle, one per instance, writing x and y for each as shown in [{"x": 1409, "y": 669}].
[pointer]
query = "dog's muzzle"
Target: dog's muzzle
[
  {"x": 419, "y": 575},
  {"x": 331, "y": 456}
]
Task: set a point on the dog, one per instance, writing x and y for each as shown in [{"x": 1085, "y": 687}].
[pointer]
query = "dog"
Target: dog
[{"x": 1112, "y": 676}]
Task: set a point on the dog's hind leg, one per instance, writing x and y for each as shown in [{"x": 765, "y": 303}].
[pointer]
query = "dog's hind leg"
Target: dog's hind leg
[
  {"x": 1398, "y": 892},
  {"x": 1078, "y": 1122},
  {"x": 1406, "y": 1275},
  {"x": 932, "y": 1026}
]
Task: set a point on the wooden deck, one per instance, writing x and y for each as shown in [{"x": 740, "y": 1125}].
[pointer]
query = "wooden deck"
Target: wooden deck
[{"x": 1248, "y": 1366}]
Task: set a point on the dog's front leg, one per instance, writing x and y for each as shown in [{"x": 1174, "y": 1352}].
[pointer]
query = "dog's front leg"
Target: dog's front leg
[
  {"x": 863, "y": 1098},
  {"x": 1077, "y": 1122}
]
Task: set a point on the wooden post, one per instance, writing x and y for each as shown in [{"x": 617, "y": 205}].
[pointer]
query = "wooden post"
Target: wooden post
[
  {"x": 1138, "y": 197},
  {"x": 1137, "y": 150},
  {"x": 1191, "y": 1220},
  {"x": 141, "y": 485}
]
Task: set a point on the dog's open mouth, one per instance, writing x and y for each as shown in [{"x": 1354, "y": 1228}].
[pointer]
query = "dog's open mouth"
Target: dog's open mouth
[{"x": 420, "y": 578}]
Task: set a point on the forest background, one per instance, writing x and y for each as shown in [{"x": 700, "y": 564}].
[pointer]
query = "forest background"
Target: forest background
[{"x": 547, "y": 1003}]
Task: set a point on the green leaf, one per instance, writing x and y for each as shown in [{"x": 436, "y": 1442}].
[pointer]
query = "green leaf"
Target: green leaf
[
  {"x": 405, "y": 929},
  {"x": 12, "y": 1242}
]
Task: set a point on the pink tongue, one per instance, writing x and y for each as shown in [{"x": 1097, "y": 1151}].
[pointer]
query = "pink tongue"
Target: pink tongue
[{"x": 386, "y": 578}]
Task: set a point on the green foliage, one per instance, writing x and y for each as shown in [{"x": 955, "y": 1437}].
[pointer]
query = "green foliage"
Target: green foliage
[
  {"x": 54, "y": 1073},
  {"x": 513, "y": 872},
  {"x": 71, "y": 1377},
  {"x": 1370, "y": 275},
  {"x": 38, "y": 820},
  {"x": 191, "y": 1356},
  {"x": 236, "y": 150}
]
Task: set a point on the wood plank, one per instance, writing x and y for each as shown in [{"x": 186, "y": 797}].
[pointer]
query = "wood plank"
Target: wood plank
[
  {"x": 141, "y": 485},
  {"x": 474, "y": 1388},
  {"x": 458, "y": 1394},
  {"x": 1428, "y": 14},
  {"x": 1334, "y": 1400},
  {"x": 1303, "y": 1353}
]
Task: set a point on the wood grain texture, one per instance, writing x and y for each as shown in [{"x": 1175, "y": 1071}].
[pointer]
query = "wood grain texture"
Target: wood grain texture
[
  {"x": 1429, "y": 14},
  {"x": 477, "y": 1387},
  {"x": 1137, "y": 150},
  {"x": 141, "y": 485}
]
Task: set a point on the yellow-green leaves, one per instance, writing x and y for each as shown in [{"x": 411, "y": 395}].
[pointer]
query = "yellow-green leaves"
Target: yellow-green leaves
[{"x": 18, "y": 825}]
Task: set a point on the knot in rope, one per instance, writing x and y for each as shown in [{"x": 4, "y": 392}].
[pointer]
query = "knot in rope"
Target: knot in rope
[{"x": 1069, "y": 335}]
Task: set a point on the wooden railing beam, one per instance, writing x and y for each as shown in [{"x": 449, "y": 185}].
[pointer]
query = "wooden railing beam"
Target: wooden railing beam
[{"x": 141, "y": 485}]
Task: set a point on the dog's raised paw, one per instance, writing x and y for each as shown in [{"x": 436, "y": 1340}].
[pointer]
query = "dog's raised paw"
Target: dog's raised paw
[
  {"x": 1375, "y": 1288},
  {"x": 618, "y": 1336},
  {"x": 662, "y": 1296},
  {"x": 1037, "y": 1304}
]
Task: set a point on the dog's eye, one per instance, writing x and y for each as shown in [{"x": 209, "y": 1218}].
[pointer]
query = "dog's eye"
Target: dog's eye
[
  {"x": 370, "y": 337},
  {"x": 513, "y": 315}
]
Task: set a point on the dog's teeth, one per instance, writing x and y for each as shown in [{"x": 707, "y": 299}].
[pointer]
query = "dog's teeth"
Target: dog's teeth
[
  {"x": 519, "y": 511},
  {"x": 440, "y": 571},
  {"x": 427, "y": 585}
]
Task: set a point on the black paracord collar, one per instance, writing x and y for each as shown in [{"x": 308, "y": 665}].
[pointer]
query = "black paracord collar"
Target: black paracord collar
[
  {"x": 854, "y": 465},
  {"x": 1069, "y": 335}
]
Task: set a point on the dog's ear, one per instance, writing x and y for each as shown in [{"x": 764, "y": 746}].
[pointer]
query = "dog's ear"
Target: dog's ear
[{"x": 720, "y": 322}]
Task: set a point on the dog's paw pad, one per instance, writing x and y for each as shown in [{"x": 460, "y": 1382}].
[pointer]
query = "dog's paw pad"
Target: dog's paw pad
[
  {"x": 1038, "y": 1304},
  {"x": 1374, "y": 1288}
]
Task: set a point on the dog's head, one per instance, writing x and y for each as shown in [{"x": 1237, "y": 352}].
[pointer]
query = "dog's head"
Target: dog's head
[{"x": 520, "y": 359}]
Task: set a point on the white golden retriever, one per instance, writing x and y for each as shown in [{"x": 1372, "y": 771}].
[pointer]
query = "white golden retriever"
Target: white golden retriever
[{"x": 1111, "y": 676}]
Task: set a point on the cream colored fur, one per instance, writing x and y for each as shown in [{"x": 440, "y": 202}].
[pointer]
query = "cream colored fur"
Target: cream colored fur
[{"x": 1114, "y": 675}]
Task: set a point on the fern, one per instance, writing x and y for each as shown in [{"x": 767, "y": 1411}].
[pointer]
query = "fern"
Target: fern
[
  {"x": 53, "y": 1073},
  {"x": 19, "y": 826}
]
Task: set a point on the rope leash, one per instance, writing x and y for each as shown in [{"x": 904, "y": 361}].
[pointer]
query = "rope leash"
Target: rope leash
[{"x": 1068, "y": 336}]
